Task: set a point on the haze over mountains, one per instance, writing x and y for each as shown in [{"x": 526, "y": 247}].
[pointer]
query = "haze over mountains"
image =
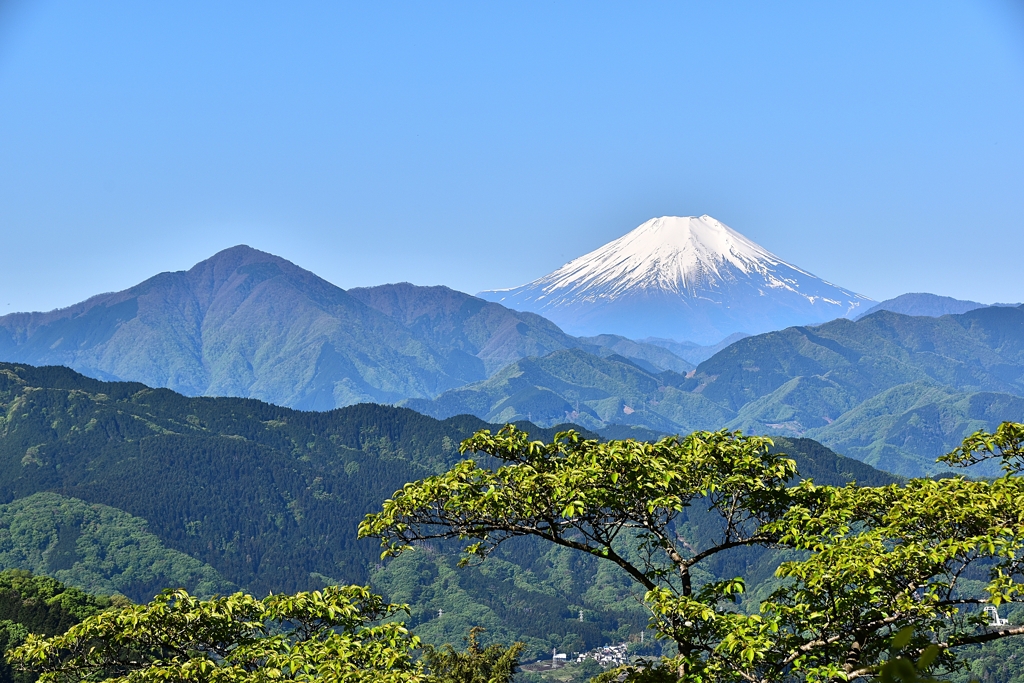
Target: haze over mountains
[
  {"x": 930, "y": 305},
  {"x": 894, "y": 390},
  {"x": 684, "y": 278},
  {"x": 247, "y": 323}
]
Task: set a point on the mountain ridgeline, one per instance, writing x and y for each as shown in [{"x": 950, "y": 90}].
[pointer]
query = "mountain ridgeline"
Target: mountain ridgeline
[
  {"x": 246, "y": 323},
  {"x": 250, "y": 324},
  {"x": 893, "y": 390}
]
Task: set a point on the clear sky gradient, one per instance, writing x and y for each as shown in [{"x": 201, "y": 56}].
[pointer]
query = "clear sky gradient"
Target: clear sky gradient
[{"x": 480, "y": 145}]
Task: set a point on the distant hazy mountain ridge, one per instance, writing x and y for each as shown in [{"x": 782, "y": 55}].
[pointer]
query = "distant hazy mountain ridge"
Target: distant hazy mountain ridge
[
  {"x": 683, "y": 278},
  {"x": 694, "y": 353},
  {"x": 247, "y": 323},
  {"x": 931, "y": 305},
  {"x": 251, "y": 324}
]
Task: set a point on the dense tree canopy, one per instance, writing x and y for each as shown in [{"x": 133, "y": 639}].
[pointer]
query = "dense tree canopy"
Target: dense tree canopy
[
  {"x": 492, "y": 664},
  {"x": 40, "y": 605},
  {"x": 862, "y": 564},
  {"x": 326, "y": 635}
]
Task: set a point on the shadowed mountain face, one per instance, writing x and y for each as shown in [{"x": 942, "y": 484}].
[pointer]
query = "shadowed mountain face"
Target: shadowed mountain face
[
  {"x": 486, "y": 336},
  {"x": 247, "y": 323}
]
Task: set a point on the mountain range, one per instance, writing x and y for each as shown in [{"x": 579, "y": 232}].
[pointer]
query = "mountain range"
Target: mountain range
[
  {"x": 247, "y": 323},
  {"x": 683, "y": 278},
  {"x": 893, "y": 390}
]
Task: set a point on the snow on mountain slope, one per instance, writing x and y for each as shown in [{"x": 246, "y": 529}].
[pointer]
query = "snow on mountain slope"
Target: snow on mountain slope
[{"x": 691, "y": 278}]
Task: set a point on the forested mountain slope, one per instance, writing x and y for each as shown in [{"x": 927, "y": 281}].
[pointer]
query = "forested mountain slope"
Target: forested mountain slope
[
  {"x": 982, "y": 350},
  {"x": 893, "y": 390},
  {"x": 119, "y": 486},
  {"x": 579, "y": 387},
  {"x": 267, "y": 496},
  {"x": 97, "y": 548}
]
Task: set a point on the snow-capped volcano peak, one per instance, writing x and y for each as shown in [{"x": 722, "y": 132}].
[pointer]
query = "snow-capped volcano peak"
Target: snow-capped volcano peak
[
  {"x": 677, "y": 276},
  {"x": 672, "y": 253}
]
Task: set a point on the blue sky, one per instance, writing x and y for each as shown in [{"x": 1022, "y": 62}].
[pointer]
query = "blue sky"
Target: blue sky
[{"x": 878, "y": 145}]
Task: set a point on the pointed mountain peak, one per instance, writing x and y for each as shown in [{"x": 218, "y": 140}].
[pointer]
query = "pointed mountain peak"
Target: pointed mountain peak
[
  {"x": 678, "y": 254},
  {"x": 687, "y": 242},
  {"x": 703, "y": 236},
  {"x": 242, "y": 261},
  {"x": 240, "y": 254},
  {"x": 691, "y": 277}
]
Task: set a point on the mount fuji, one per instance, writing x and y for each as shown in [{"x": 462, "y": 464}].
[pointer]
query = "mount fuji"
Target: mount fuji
[{"x": 685, "y": 278}]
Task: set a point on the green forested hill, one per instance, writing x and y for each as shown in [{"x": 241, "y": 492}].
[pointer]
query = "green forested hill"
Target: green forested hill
[
  {"x": 119, "y": 487},
  {"x": 269, "y": 497},
  {"x": 98, "y": 548},
  {"x": 893, "y": 390},
  {"x": 982, "y": 350}
]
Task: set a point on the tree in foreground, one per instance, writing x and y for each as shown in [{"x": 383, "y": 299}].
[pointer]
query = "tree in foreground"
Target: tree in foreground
[
  {"x": 492, "y": 664},
  {"x": 882, "y": 575},
  {"x": 40, "y": 605},
  {"x": 325, "y": 635}
]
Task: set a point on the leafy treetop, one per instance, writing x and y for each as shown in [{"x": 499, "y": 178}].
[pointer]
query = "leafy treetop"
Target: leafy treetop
[
  {"x": 864, "y": 563},
  {"x": 320, "y": 635}
]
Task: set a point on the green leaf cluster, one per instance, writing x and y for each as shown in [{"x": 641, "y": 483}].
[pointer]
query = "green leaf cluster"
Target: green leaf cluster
[
  {"x": 38, "y": 605},
  {"x": 492, "y": 664},
  {"x": 326, "y": 635},
  {"x": 867, "y": 562}
]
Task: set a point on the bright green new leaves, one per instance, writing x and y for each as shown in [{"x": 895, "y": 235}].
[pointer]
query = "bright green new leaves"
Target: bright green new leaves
[
  {"x": 893, "y": 558},
  {"x": 588, "y": 495},
  {"x": 321, "y": 635},
  {"x": 617, "y": 500},
  {"x": 1007, "y": 444},
  {"x": 863, "y": 563}
]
